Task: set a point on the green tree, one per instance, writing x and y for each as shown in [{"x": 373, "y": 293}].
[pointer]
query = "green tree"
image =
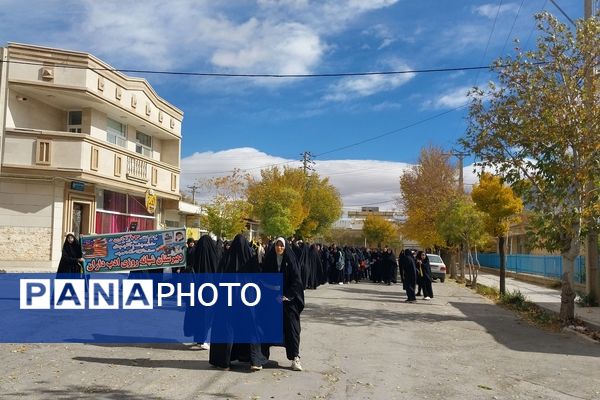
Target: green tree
[
  {"x": 538, "y": 127},
  {"x": 225, "y": 214},
  {"x": 378, "y": 230},
  {"x": 324, "y": 206},
  {"x": 500, "y": 205},
  {"x": 289, "y": 202},
  {"x": 423, "y": 190},
  {"x": 463, "y": 227}
]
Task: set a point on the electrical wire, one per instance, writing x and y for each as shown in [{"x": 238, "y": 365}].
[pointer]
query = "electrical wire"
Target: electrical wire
[
  {"x": 489, "y": 40},
  {"x": 562, "y": 12},
  {"x": 512, "y": 28},
  {"x": 534, "y": 26},
  {"x": 262, "y": 75},
  {"x": 391, "y": 132}
]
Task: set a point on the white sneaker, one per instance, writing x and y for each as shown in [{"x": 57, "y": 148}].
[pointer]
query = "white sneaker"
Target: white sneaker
[
  {"x": 341, "y": 283},
  {"x": 427, "y": 298},
  {"x": 205, "y": 346},
  {"x": 296, "y": 366}
]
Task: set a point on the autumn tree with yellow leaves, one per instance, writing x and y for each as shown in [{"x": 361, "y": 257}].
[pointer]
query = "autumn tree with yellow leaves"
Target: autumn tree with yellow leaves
[
  {"x": 500, "y": 206},
  {"x": 424, "y": 188}
]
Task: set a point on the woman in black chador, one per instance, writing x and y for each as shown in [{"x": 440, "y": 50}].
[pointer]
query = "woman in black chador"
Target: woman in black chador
[
  {"x": 204, "y": 261},
  {"x": 409, "y": 275},
  {"x": 281, "y": 259},
  {"x": 71, "y": 260},
  {"x": 239, "y": 259}
]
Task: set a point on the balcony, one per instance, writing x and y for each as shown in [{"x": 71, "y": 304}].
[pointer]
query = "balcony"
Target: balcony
[{"x": 137, "y": 169}]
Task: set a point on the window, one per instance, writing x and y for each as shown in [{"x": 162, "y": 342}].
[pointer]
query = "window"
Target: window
[
  {"x": 173, "y": 182},
  {"x": 118, "y": 165},
  {"x": 74, "y": 121},
  {"x": 114, "y": 201},
  {"x": 154, "y": 178},
  {"x": 42, "y": 152},
  {"x": 94, "y": 159},
  {"x": 115, "y": 133},
  {"x": 143, "y": 144}
]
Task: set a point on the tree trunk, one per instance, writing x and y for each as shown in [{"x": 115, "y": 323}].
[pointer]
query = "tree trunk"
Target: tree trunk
[
  {"x": 453, "y": 265},
  {"x": 476, "y": 267},
  {"x": 567, "y": 295},
  {"x": 567, "y": 299},
  {"x": 462, "y": 263},
  {"x": 502, "y": 254},
  {"x": 592, "y": 277}
]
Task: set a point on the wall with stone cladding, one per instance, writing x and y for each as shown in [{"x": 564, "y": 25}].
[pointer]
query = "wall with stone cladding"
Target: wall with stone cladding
[
  {"x": 26, "y": 212},
  {"x": 25, "y": 243}
]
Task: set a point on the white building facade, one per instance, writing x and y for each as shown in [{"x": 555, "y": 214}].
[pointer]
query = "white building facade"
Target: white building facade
[{"x": 83, "y": 149}]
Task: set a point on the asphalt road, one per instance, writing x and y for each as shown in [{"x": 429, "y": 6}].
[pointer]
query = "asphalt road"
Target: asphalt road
[{"x": 359, "y": 341}]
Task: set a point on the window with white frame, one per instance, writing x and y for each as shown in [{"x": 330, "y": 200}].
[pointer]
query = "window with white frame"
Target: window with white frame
[
  {"x": 116, "y": 133},
  {"x": 74, "y": 121},
  {"x": 143, "y": 144}
]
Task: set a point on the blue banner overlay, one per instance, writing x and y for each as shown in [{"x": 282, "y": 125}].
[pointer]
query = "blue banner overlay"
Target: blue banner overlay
[
  {"x": 141, "y": 308},
  {"x": 130, "y": 251}
]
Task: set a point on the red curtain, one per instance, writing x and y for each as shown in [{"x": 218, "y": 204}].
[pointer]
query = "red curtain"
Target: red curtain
[
  {"x": 114, "y": 223},
  {"x": 136, "y": 205},
  {"x": 114, "y": 201}
]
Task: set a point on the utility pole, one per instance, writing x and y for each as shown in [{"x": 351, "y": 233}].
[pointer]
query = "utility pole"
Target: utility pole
[
  {"x": 193, "y": 188},
  {"x": 460, "y": 156},
  {"x": 592, "y": 281},
  {"x": 307, "y": 161}
]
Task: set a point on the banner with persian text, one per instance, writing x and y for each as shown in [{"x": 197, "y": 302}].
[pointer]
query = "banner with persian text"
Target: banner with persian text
[{"x": 133, "y": 251}]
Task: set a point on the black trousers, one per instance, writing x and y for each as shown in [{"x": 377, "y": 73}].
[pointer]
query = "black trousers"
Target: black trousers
[
  {"x": 291, "y": 329},
  {"x": 410, "y": 292}
]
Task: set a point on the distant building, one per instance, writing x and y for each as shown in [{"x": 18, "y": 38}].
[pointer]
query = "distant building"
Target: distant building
[
  {"x": 352, "y": 221},
  {"x": 83, "y": 149}
]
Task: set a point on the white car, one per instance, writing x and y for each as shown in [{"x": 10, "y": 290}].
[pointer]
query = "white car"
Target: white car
[{"x": 438, "y": 268}]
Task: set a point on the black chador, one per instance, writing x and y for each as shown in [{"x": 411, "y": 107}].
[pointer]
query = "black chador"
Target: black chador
[
  {"x": 240, "y": 259},
  {"x": 293, "y": 296},
  {"x": 204, "y": 261},
  {"x": 71, "y": 256},
  {"x": 314, "y": 266},
  {"x": 409, "y": 274}
]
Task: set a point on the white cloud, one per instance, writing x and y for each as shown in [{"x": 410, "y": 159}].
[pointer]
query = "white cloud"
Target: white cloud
[
  {"x": 490, "y": 10},
  {"x": 451, "y": 99},
  {"x": 360, "y": 182},
  {"x": 382, "y": 33},
  {"x": 363, "y": 86},
  {"x": 279, "y": 37},
  {"x": 254, "y": 47}
]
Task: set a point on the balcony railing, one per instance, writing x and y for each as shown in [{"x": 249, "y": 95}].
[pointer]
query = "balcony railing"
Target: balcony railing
[{"x": 137, "y": 169}]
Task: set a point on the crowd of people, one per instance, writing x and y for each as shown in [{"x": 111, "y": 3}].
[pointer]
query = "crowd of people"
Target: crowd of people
[{"x": 303, "y": 265}]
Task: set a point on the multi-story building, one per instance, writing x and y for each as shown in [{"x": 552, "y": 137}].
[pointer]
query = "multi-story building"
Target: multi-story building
[{"x": 83, "y": 149}]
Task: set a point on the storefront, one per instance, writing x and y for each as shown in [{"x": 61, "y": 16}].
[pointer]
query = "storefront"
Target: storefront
[{"x": 119, "y": 212}]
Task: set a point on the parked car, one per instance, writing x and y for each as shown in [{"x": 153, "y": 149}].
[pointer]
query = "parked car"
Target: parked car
[{"x": 438, "y": 268}]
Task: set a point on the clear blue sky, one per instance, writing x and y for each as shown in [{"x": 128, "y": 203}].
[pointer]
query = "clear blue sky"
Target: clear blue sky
[{"x": 248, "y": 122}]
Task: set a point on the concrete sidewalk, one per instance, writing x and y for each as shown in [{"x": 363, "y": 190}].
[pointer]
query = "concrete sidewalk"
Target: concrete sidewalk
[{"x": 544, "y": 297}]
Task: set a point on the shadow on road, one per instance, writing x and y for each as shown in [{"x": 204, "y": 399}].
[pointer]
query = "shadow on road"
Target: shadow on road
[
  {"x": 153, "y": 363},
  {"x": 508, "y": 330},
  {"x": 80, "y": 392},
  {"x": 157, "y": 346},
  {"x": 353, "y": 316}
]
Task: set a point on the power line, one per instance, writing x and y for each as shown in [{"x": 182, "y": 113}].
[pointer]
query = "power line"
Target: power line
[
  {"x": 512, "y": 27},
  {"x": 231, "y": 75},
  {"x": 393, "y": 131},
  {"x": 562, "y": 12},
  {"x": 534, "y": 25},
  {"x": 370, "y": 204},
  {"x": 487, "y": 45}
]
